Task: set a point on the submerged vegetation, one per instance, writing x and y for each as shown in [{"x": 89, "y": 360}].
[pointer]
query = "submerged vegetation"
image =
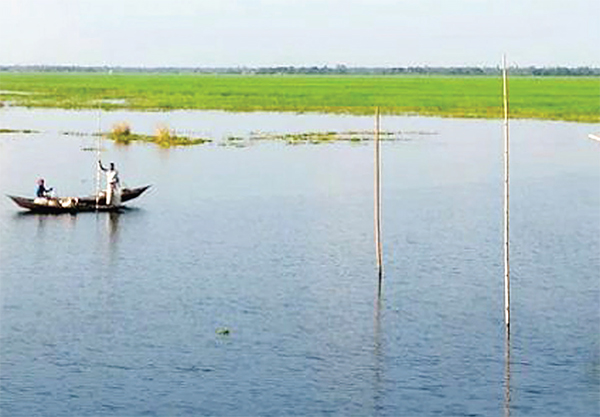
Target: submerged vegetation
[
  {"x": 553, "y": 98},
  {"x": 328, "y": 137},
  {"x": 26, "y": 131},
  {"x": 322, "y": 137},
  {"x": 122, "y": 134},
  {"x": 164, "y": 137}
]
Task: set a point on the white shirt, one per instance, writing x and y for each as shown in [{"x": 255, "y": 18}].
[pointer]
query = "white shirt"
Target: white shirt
[{"x": 112, "y": 176}]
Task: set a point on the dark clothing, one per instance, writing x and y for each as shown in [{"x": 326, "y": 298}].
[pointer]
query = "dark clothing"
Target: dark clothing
[{"x": 42, "y": 191}]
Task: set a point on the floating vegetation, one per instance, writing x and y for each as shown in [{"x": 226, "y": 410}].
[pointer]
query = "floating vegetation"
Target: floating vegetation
[
  {"x": 26, "y": 131},
  {"x": 223, "y": 331},
  {"x": 164, "y": 137},
  {"x": 236, "y": 142},
  {"x": 329, "y": 137},
  {"x": 121, "y": 133},
  {"x": 167, "y": 138},
  {"x": 71, "y": 133},
  {"x": 121, "y": 129}
]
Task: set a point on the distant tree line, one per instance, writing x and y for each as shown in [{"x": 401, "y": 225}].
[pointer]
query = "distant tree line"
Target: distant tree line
[{"x": 316, "y": 70}]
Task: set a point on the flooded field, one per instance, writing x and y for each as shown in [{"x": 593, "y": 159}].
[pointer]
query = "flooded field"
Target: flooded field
[{"x": 244, "y": 282}]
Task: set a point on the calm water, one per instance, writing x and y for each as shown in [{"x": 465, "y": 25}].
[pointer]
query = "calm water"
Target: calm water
[{"x": 116, "y": 314}]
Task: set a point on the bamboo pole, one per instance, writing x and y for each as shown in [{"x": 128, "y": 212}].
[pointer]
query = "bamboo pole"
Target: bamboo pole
[
  {"x": 506, "y": 198},
  {"x": 377, "y": 167}
]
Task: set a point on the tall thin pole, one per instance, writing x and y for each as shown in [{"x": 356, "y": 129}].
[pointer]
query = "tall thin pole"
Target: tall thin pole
[
  {"x": 378, "y": 245},
  {"x": 506, "y": 198}
]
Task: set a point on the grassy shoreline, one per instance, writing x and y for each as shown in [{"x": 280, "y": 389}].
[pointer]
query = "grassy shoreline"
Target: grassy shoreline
[{"x": 544, "y": 98}]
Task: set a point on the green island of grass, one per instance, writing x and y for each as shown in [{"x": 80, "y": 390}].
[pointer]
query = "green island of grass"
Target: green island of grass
[
  {"x": 162, "y": 142},
  {"x": 165, "y": 138},
  {"x": 547, "y": 98}
]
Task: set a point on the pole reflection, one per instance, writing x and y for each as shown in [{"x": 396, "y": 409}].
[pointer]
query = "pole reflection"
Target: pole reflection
[
  {"x": 507, "y": 374},
  {"x": 377, "y": 358}
]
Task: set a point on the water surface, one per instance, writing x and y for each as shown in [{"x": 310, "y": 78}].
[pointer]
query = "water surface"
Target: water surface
[{"x": 116, "y": 314}]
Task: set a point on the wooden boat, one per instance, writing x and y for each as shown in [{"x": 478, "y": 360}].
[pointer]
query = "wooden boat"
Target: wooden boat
[{"x": 76, "y": 204}]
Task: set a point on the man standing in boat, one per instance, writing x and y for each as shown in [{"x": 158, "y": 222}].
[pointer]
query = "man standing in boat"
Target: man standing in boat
[{"x": 113, "y": 186}]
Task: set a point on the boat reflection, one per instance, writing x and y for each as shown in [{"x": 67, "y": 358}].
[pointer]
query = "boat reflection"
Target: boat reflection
[
  {"x": 45, "y": 224},
  {"x": 43, "y": 220}
]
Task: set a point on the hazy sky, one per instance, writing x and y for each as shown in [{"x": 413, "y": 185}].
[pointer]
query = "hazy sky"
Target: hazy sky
[{"x": 205, "y": 33}]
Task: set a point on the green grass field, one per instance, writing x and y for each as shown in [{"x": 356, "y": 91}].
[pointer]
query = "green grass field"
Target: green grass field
[{"x": 550, "y": 98}]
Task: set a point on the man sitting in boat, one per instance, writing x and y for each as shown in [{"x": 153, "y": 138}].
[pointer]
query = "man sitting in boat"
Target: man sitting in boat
[
  {"x": 42, "y": 191},
  {"x": 113, "y": 186},
  {"x": 42, "y": 194}
]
